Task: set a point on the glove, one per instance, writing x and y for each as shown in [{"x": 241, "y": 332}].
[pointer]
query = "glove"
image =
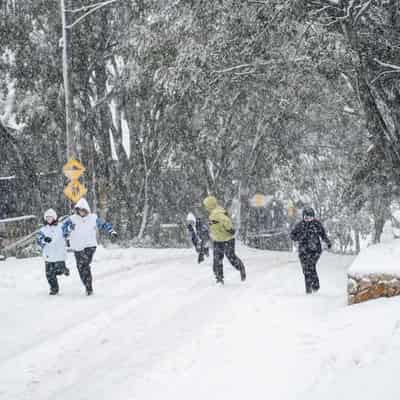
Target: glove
[
  {"x": 47, "y": 239},
  {"x": 329, "y": 245},
  {"x": 113, "y": 234},
  {"x": 190, "y": 227},
  {"x": 68, "y": 243},
  {"x": 201, "y": 257}
]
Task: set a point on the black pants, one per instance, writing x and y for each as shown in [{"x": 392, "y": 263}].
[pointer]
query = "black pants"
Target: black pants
[
  {"x": 83, "y": 261},
  {"x": 309, "y": 266},
  {"x": 52, "y": 270},
  {"x": 200, "y": 242},
  {"x": 227, "y": 249}
]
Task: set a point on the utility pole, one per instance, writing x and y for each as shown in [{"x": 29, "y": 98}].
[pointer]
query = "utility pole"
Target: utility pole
[
  {"x": 67, "y": 90},
  {"x": 67, "y": 25}
]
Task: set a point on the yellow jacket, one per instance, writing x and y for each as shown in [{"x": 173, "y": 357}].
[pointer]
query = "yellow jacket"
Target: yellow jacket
[{"x": 220, "y": 224}]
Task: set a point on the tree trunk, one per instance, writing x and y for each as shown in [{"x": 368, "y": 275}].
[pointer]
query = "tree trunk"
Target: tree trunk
[
  {"x": 379, "y": 222},
  {"x": 357, "y": 240},
  {"x": 145, "y": 207}
]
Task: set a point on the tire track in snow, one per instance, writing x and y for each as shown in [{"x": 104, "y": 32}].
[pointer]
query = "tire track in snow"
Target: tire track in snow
[{"x": 144, "y": 279}]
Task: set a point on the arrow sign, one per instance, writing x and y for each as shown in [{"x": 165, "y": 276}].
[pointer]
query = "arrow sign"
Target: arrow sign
[
  {"x": 75, "y": 191},
  {"x": 73, "y": 169}
]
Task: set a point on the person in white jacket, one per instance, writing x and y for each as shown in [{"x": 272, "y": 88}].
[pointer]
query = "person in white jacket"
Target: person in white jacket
[
  {"x": 81, "y": 230},
  {"x": 51, "y": 239}
]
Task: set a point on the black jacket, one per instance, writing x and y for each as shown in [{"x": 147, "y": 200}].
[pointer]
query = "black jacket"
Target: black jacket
[{"x": 308, "y": 234}]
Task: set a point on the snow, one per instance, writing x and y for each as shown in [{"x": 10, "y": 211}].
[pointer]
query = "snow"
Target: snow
[
  {"x": 382, "y": 258},
  {"x": 169, "y": 226},
  {"x": 158, "y": 327},
  {"x": 17, "y": 219}
]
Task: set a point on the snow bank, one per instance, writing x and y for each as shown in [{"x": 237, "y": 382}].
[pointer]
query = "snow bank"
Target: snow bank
[{"x": 382, "y": 258}]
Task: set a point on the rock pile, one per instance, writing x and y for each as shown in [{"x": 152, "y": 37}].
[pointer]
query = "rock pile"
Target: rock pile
[{"x": 372, "y": 286}]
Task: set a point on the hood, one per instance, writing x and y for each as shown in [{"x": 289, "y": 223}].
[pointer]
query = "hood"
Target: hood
[
  {"x": 308, "y": 212},
  {"x": 82, "y": 203},
  {"x": 50, "y": 213},
  {"x": 210, "y": 203},
  {"x": 190, "y": 219}
]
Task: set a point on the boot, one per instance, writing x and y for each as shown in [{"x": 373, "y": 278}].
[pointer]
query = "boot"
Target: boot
[
  {"x": 315, "y": 286},
  {"x": 242, "y": 273},
  {"x": 201, "y": 257}
]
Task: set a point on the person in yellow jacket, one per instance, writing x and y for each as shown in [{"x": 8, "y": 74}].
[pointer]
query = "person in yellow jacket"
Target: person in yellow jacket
[{"x": 223, "y": 237}]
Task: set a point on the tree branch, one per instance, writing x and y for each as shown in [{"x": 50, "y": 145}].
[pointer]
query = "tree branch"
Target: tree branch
[
  {"x": 385, "y": 73},
  {"x": 332, "y": 3},
  {"x": 320, "y": 11},
  {"x": 264, "y": 3},
  {"x": 93, "y": 8},
  {"x": 156, "y": 158},
  {"x": 309, "y": 25},
  {"x": 362, "y": 11},
  {"x": 234, "y": 68},
  {"x": 85, "y": 8},
  {"x": 392, "y": 66}
]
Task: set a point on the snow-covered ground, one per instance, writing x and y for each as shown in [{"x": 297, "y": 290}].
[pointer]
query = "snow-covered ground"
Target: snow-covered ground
[{"x": 159, "y": 328}]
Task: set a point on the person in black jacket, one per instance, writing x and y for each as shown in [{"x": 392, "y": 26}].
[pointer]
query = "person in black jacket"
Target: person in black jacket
[{"x": 308, "y": 233}]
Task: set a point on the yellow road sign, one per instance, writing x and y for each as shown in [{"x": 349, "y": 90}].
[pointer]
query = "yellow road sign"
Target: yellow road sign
[
  {"x": 73, "y": 169},
  {"x": 75, "y": 191},
  {"x": 258, "y": 200}
]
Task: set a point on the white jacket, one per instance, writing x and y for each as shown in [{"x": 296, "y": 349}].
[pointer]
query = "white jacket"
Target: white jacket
[
  {"x": 55, "y": 250},
  {"x": 83, "y": 230}
]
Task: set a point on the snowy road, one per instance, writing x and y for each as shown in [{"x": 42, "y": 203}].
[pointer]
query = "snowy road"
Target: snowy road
[{"x": 158, "y": 327}]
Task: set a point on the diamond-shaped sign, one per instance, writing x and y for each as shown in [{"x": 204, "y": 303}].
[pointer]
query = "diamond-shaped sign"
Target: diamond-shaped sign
[
  {"x": 258, "y": 200},
  {"x": 73, "y": 169},
  {"x": 75, "y": 191}
]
